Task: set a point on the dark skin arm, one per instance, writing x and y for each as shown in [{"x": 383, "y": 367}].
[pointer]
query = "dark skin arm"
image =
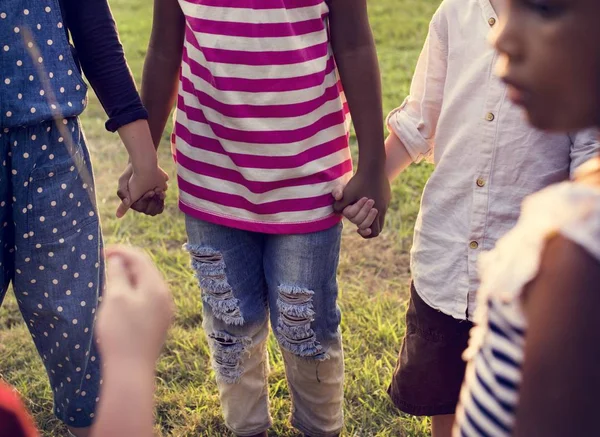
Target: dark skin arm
[
  {"x": 561, "y": 380},
  {"x": 160, "y": 81},
  {"x": 163, "y": 61},
  {"x": 356, "y": 59}
]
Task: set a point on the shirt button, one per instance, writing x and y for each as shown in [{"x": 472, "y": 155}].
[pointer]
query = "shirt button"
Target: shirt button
[
  {"x": 490, "y": 116},
  {"x": 480, "y": 182},
  {"x": 492, "y": 21},
  {"x": 473, "y": 244}
]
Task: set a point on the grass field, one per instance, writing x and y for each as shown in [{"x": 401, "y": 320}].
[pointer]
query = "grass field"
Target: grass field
[{"x": 373, "y": 275}]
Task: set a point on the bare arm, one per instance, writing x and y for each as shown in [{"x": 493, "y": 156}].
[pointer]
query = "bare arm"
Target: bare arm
[
  {"x": 356, "y": 59},
  {"x": 561, "y": 381},
  {"x": 163, "y": 61}
]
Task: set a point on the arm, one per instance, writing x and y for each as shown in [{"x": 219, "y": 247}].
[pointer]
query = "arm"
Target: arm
[
  {"x": 356, "y": 59},
  {"x": 163, "y": 61},
  {"x": 132, "y": 326},
  {"x": 584, "y": 146},
  {"x": 413, "y": 125},
  {"x": 103, "y": 61},
  {"x": 561, "y": 382}
]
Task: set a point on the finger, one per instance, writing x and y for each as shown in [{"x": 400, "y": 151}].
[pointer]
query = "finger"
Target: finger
[
  {"x": 117, "y": 276},
  {"x": 350, "y": 212},
  {"x": 364, "y": 232},
  {"x": 155, "y": 208},
  {"x": 374, "y": 229},
  {"x": 139, "y": 266},
  {"x": 123, "y": 207},
  {"x": 363, "y": 213},
  {"x": 338, "y": 193},
  {"x": 368, "y": 221}
]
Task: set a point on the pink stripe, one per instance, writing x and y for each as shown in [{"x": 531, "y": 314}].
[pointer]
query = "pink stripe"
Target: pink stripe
[
  {"x": 264, "y": 137},
  {"x": 267, "y": 162},
  {"x": 229, "y": 175},
  {"x": 261, "y": 111},
  {"x": 258, "y": 4},
  {"x": 238, "y": 57},
  {"x": 235, "y": 201},
  {"x": 256, "y": 85},
  {"x": 256, "y": 30},
  {"x": 264, "y": 228}
]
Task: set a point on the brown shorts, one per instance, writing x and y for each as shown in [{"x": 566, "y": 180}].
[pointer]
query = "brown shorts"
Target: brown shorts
[{"x": 430, "y": 369}]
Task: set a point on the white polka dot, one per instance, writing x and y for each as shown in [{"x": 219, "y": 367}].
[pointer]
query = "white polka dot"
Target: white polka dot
[
  {"x": 76, "y": 275},
  {"x": 30, "y": 44},
  {"x": 20, "y": 96},
  {"x": 68, "y": 292},
  {"x": 61, "y": 57},
  {"x": 32, "y": 110},
  {"x": 3, "y": 15},
  {"x": 17, "y": 30},
  {"x": 19, "y": 63},
  {"x": 60, "y": 310},
  {"x": 75, "y": 323},
  {"x": 53, "y": 203},
  {"x": 51, "y": 75},
  {"x": 78, "y": 87},
  {"x": 75, "y": 224},
  {"x": 6, "y": 48},
  {"x": 51, "y": 254},
  {"x": 59, "y": 25},
  {"x": 40, "y": 190},
  {"x": 40, "y": 59},
  {"x": 62, "y": 89},
  {"x": 48, "y": 9},
  {"x": 49, "y": 42},
  {"x": 65, "y": 267},
  {"x": 26, "y": 11},
  {"x": 9, "y": 114},
  {"x": 42, "y": 92},
  {"x": 42, "y": 219},
  {"x": 31, "y": 78}
]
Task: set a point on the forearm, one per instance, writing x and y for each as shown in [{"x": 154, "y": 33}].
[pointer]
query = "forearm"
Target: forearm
[
  {"x": 159, "y": 90},
  {"x": 126, "y": 401},
  {"x": 138, "y": 142},
  {"x": 397, "y": 157},
  {"x": 359, "y": 73}
]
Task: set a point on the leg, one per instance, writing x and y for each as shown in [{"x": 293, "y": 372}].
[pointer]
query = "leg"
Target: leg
[
  {"x": 441, "y": 426},
  {"x": 7, "y": 230},
  {"x": 228, "y": 264},
  {"x": 301, "y": 274},
  {"x": 430, "y": 369},
  {"x": 59, "y": 271}
]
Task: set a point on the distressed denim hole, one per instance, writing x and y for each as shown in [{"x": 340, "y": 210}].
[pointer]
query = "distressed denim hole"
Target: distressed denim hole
[
  {"x": 228, "y": 353},
  {"x": 216, "y": 291},
  {"x": 294, "y": 331}
]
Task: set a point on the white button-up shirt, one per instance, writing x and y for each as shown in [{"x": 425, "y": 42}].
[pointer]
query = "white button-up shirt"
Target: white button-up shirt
[{"x": 487, "y": 158}]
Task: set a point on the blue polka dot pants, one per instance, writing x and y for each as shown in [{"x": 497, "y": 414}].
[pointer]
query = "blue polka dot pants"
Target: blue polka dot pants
[{"x": 50, "y": 249}]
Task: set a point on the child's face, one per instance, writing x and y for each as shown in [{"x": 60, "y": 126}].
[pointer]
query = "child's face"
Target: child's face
[{"x": 550, "y": 57}]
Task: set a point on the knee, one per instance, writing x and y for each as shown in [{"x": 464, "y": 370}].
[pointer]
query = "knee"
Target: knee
[{"x": 295, "y": 329}]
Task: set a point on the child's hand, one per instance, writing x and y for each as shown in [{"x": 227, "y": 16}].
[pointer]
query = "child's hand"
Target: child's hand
[
  {"x": 131, "y": 186},
  {"x": 362, "y": 213},
  {"x": 136, "y": 310},
  {"x": 372, "y": 188}
]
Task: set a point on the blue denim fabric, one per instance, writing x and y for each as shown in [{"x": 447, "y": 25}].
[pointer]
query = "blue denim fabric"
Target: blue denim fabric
[
  {"x": 39, "y": 78},
  {"x": 50, "y": 249},
  {"x": 248, "y": 278}
]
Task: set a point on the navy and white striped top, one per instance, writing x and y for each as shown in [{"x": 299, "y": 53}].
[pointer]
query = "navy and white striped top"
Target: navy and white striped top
[{"x": 490, "y": 393}]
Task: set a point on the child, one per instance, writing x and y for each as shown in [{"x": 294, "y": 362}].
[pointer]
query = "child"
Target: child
[
  {"x": 487, "y": 160},
  {"x": 260, "y": 140},
  {"x": 533, "y": 368},
  {"x": 50, "y": 240},
  {"x": 132, "y": 325}
]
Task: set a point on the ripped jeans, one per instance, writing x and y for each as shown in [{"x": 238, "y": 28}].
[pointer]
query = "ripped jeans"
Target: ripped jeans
[{"x": 248, "y": 278}]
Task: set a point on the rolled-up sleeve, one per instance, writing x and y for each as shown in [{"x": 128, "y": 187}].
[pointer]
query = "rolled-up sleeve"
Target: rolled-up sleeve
[
  {"x": 102, "y": 59},
  {"x": 584, "y": 146},
  {"x": 415, "y": 121}
]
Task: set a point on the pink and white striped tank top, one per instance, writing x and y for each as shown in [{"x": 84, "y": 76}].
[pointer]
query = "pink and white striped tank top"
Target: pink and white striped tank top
[{"x": 261, "y": 128}]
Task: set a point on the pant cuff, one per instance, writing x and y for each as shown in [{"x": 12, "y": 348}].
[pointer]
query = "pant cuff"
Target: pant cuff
[
  {"x": 311, "y": 432},
  {"x": 253, "y": 431}
]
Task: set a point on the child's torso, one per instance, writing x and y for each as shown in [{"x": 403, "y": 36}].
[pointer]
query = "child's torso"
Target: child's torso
[
  {"x": 261, "y": 127},
  {"x": 39, "y": 78}
]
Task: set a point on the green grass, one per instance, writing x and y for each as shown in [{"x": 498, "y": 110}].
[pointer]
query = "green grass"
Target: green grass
[{"x": 373, "y": 275}]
